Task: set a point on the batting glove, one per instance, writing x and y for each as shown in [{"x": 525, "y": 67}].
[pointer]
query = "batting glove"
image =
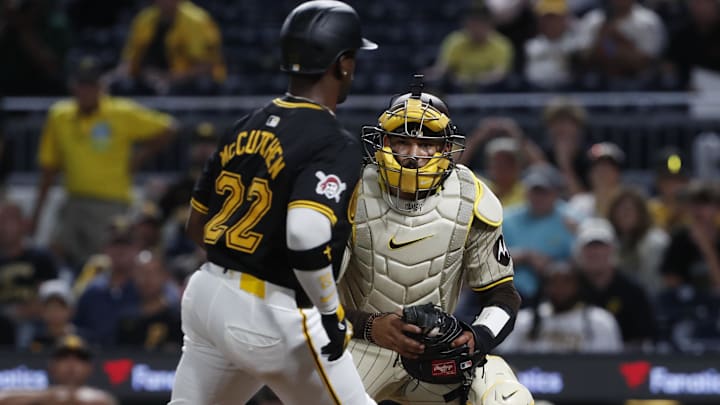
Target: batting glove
[{"x": 339, "y": 330}]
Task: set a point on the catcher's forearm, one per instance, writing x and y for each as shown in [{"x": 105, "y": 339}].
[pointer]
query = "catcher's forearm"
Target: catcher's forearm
[
  {"x": 496, "y": 319},
  {"x": 359, "y": 320},
  {"x": 503, "y": 294}
]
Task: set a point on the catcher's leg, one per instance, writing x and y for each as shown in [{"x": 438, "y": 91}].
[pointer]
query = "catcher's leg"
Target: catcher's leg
[
  {"x": 496, "y": 384},
  {"x": 377, "y": 367}
]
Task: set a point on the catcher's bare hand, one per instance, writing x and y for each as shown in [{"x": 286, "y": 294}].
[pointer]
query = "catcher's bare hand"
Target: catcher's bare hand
[
  {"x": 466, "y": 337},
  {"x": 389, "y": 332}
]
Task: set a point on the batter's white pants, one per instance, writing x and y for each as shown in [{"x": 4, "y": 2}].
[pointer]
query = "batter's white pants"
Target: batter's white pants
[
  {"x": 385, "y": 378},
  {"x": 242, "y": 333}
]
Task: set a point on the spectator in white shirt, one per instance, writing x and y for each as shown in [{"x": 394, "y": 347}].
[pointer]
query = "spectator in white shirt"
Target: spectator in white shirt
[
  {"x": 549, "y": 56},
  {"x": 622, "y": 40},
  {"x": 563, "y": 323}
]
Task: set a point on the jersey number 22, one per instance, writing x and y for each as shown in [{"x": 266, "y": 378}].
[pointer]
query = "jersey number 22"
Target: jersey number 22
[{"x": 239, "y": 236}]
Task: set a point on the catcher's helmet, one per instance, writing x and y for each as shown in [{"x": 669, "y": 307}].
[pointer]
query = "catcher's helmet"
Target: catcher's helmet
[
  {"x": 316, "y": 33},
  {"x": 420, "y": 116}
]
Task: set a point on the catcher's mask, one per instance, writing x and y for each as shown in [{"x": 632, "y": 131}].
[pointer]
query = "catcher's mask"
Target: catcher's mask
[{"x": 416, "y": 117}]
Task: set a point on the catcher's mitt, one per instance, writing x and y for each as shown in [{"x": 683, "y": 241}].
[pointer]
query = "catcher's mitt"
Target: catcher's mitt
[{"x": 440, "y": 363}]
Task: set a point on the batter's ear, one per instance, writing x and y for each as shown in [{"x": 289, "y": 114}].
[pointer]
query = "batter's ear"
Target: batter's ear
[
  {"x": 345, "y": 65},
  {"x": 338, "y": 70}
]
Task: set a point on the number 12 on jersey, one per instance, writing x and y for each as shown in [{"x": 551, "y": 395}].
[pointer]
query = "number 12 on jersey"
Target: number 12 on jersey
[{"x": 239, "y": 236}]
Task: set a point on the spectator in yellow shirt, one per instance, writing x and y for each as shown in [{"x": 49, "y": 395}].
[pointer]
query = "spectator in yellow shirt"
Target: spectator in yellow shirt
[
  {"x": 475, "y": 56},
  {"x": 90, "y": 139},
  {"x": 174, "y": 46}
]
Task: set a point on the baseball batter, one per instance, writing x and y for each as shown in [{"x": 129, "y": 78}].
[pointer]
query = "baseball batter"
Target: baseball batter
[
  {"x": 421, "y": 227},
  {"x": 269, "y": 209}
]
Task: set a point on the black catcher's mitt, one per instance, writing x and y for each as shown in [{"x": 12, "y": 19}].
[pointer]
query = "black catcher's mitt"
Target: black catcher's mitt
[{"x": 440, "y": 363}]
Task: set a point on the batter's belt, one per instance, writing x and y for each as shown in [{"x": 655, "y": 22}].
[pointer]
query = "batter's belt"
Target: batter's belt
[{"x": 271, "y": 294}]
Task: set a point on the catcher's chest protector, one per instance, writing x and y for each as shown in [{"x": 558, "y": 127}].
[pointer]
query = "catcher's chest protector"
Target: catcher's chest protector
[{"x": 401, "y": 259}]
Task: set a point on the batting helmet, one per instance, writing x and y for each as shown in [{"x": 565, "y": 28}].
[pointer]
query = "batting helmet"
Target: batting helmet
[{"x": 316, "y": 33}]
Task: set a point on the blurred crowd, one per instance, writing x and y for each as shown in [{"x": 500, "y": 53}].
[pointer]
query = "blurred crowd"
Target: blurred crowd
[
  {"x": 561, "y": 45},
  {"x": 224, "y": 47},
  {"x": 604, "y": 263}
]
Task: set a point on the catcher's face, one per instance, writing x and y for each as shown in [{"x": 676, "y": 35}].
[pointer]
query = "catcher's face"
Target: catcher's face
[{"x": 414, "y": 153}]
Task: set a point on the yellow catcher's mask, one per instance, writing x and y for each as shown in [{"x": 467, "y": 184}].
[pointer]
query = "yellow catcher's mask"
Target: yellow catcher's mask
[
  {"x": 409, "y": 180},
  {"x": 420, "y": 117},
  {"x": 414, "y": 111}
]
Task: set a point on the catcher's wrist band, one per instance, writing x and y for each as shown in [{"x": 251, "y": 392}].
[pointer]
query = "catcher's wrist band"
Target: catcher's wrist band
[
  {"x": 367, "y": 330},
  {"x": 493, "y": 318}
]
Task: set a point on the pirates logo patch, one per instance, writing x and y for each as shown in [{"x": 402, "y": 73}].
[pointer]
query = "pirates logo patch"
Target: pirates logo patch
[{"x": 329, "y": 185}]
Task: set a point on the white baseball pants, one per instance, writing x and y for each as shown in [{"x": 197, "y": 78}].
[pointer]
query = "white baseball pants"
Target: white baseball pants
[{"x": 242, "y": 333}]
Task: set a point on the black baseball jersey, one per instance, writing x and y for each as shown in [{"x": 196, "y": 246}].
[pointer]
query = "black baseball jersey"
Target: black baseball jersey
[{"x": 290, "y": 153}]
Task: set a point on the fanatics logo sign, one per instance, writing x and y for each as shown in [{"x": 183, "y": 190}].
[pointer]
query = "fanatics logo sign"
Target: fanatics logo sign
[
  {"x": 443, "y": 368},
  {"x": 118, "y": 371},
  {"x": 635, "y": 373}
]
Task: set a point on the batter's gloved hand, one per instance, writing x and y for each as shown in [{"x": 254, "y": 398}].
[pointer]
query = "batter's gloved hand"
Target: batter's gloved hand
[{"x": 339, "y": 331}]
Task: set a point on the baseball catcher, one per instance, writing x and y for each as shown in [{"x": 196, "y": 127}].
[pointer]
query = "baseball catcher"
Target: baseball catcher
[{"x": 422, "y": 226}]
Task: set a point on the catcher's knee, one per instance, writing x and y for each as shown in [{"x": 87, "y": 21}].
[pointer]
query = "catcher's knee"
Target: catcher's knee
[
  {"x": 506, "y": 392},
  {"x": 498, "y": 367}
]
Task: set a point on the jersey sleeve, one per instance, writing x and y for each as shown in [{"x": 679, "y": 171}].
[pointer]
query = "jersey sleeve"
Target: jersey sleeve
[
  {"x": 326, "y": 183},
  {"x": 487, "y": 259},
  {"x": 205, "y": 185},
  {"x": 144, "y": 123}
]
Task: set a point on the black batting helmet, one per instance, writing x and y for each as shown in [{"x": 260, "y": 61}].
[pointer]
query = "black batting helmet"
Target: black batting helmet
[{"x": 316, "y": 33}]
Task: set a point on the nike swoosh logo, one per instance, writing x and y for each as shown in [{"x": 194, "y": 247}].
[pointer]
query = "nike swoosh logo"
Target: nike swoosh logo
[
  {"x": 395, "y": 245},
  {"x": 505, "y": 397}
]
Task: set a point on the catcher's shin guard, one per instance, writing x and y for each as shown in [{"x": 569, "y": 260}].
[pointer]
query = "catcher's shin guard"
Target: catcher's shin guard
[{"x": 507, "y": 392}]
